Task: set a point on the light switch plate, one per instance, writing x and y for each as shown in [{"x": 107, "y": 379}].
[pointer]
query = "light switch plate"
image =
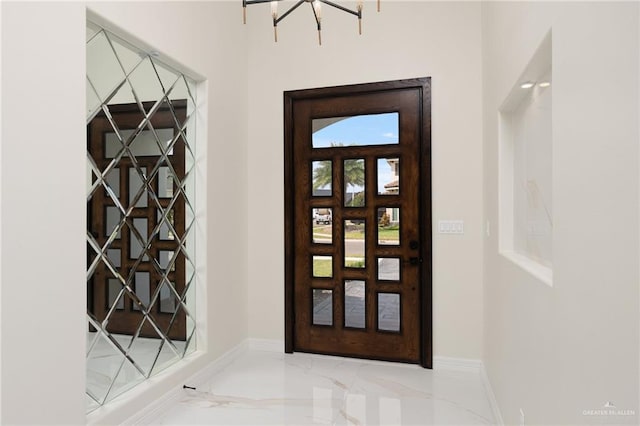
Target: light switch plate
[{"x": 451, "y": 226}]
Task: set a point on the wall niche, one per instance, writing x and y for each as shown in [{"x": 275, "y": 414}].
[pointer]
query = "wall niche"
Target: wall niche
[{"x": 526, "y": 167}]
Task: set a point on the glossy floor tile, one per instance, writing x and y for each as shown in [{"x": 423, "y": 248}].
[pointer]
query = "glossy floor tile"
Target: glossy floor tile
[{"x": 268, "y": 388}]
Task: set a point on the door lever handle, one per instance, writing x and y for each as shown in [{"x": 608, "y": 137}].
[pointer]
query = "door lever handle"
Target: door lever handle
[{"x": 414, "y": 261}]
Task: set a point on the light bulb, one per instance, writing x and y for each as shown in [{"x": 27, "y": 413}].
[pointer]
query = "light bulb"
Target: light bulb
[
  {"x": 527, "y": 85},
  {"x": 545, "y": 84}
]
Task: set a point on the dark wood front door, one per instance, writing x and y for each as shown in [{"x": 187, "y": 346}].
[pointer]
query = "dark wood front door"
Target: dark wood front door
[
  {"x": 358, "y": 221},
  {"x": 140, "y": 228}
]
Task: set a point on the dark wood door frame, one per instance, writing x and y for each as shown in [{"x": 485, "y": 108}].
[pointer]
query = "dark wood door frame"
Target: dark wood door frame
[{"x": 290, "y": 98}]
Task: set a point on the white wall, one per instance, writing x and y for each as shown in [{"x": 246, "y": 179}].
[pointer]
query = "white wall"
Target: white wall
[
  {"x": 1, "y": 84},
  {"x": 405, "y": 40},
  {"x": 557, "y": 351},
  {"x": 43, "y": 205},
  {"x": 43, "y": 214}
]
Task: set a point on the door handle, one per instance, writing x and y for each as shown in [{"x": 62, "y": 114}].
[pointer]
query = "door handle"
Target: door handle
[{"x": 414, "y": 261}]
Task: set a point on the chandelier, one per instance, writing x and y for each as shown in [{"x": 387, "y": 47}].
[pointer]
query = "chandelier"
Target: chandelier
[{"x": 316, "y": 7}]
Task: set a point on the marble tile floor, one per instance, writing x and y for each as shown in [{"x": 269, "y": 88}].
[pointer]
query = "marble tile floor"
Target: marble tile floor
[{"x": 269, "y": 388}]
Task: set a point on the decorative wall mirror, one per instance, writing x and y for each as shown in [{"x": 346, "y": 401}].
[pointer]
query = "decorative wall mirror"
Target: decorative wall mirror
[{"x": 140, "y": 215}]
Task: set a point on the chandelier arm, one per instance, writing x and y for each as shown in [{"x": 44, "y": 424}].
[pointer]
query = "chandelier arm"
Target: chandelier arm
[
  {"x": 342, "y": 8},
  {"x": 315, "y": 15},
  {"x": 284, "y": 15},
  {"x": 245, "y": 3},
  {"x": 315, "y": 8}
]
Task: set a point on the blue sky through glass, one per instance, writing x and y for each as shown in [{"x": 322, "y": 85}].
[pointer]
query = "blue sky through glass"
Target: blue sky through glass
[{"x": 376, "y": 129}]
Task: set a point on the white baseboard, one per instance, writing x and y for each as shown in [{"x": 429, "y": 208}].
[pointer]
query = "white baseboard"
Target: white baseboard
[
  {"x": 149, "y": 414},
  {"x": 457, "y": 364},
  {"x": 497, "y": 416}
]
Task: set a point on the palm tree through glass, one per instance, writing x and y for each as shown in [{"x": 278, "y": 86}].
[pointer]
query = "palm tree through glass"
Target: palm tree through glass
[{"x": 353, "y": 179}]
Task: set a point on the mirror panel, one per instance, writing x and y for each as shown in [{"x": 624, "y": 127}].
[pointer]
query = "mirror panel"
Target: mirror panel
[
  {"x": 165, "y": 183},
  {"x": 145, "y": 83},
  {"x": 135, "y": 185},
  {"x": 166, "y": 234},
  {"x": 137, "y": 243},
  {"x": 113, "y": 180},
  {"x": 103, "y": 68},
  {"x": 142, "y": 289},
  {"x": 112, "y": 220},
  {"x": 167, "y": 299},
  {"x": 129, "y": 55},
  {"x": 128, "y": 189},
  {"x": 114, "y": 256},
  {"x": 165, "y": 257},
  {"x": 114, "y": 292},
  {"x": 144, "y": 144}
]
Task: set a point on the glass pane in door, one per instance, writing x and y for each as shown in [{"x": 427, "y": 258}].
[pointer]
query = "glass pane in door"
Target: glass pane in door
[
  {"x": 322, "y": 307},
  {"x": 354, "y": 184},
  {"x": 388, "y": 176},
  {"x": 354, "y": 243},
  {"x": 322, "y": 219},
  {"x": 389, "y": 226},
  {"x": 354, "y": 304},
  {"x": 389, "y": 312},
  {"x": 358, "y": 130},
  {"x": 322, "y": 178}
]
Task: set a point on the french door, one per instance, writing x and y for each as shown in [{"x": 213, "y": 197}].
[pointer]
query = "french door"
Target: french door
[{"x": 358, "y": 221}]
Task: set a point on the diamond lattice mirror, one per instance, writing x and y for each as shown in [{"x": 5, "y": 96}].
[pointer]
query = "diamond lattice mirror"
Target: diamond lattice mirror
[{"x": 140, "y": 215}]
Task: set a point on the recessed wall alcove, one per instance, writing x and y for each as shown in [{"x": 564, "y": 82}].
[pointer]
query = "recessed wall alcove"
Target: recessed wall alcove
[{"x": 525, "y": 180}]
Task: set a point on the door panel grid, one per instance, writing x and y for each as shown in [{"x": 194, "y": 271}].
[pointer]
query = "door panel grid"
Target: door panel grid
[{"x": 374, "y": 301}]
